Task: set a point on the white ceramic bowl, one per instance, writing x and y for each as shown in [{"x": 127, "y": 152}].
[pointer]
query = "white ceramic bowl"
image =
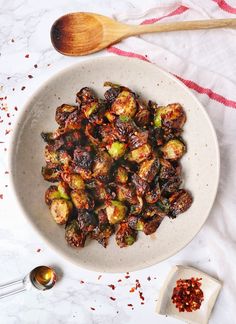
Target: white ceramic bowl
[{"x": 200, "y": 163}]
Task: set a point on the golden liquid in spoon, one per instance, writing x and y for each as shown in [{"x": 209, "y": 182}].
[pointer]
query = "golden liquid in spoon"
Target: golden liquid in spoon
[{"x": 43, "y": 277}]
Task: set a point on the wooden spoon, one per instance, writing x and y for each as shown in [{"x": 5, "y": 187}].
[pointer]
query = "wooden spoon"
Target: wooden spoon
[{"x": 83, "y": 33}]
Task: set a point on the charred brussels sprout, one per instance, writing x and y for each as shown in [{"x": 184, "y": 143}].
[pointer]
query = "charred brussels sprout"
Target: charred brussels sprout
[
  {"x": 117, "y": 150},
  {"x": 87, "y": 220},
  {"x": 173, "y": 150},
  {"x": 142, "y": 117},
  {"x": 61, "y": 210},
  {"x": 167, "y": 170},
  {"x": 81, "y": 199},
  {"x": 74, "y": 180},
  {"x": 84, "y": 96},
  {"x": 140, "y": 154},
  {"x": 153, "y": 195},
  {"x": 124, "y": 104},
  {"x": 180, "y": 201},
  {"x": 152, "y": 225},
  {"x": 64, "y": 190},
  {"x": 63, "y": 112},
  {"x": 172, "y": 116},
  {"x": 137, "y": 139},
  {"x": 116, "y": 212},
  {"x": 102, "y": 164},
  {"x": 122, "y": 175},
  {"x": 73, "y": 235},
  {"x": 51, "y": 174},
  {"x": 136, "y": 223},
  {"x": 148, "y": 169},
  {"x": 50, "y": 194},
  {"x": 141, "y": 185},
  {"x": 126, "y": 193},
  {"x": 125, "y": 235},
  {"x": 102, "y": 234}
]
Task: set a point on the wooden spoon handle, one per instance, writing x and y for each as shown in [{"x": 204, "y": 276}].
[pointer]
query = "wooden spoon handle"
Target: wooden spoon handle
[{"x": 182, "y": 25}]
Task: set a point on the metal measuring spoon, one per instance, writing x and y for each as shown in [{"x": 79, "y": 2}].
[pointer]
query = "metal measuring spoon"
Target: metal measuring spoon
[{"x": 41, "y": 278}]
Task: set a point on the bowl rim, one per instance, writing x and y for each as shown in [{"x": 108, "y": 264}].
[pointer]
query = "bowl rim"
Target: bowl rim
[{"x": 13, "y": 141}]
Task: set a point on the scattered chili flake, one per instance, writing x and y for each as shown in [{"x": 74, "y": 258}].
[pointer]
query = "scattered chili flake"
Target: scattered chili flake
[
  {"x": 119, "y": 280},
  {"x": 13, "y": 89},
  {"x": 141, "y": 295},
  {"x": 48, "y": 64},
  {"x": 8, "y": 115},
  {"x": 142, "y": 303},
  {"x": 35, "y": 66},
  {"x": 99, "y": 277},
  {"x": 38, "y": 250},
  {"x": 23, "y": 88},
  {"x": 126, "y": 277},
  {"x": 9, "y": 124},
  {"x": 7, "y": 131},
  {"x": 12, "y": 40},
  {"x": 132, "y": 290},
  {"x": 81, "y": 281},
  {"x": 27, "y": 56},
  {"x": 1, "y": 196},
  {"x": 30, "y": 76},
  {"x": 149, "y": 278},
  {"x": 15, "y": 108},
  {"x": 8, "y": 78},
  {"x": 130, "y": 305},
  {"x": 138, "y": 285},
  {"x": 112, "y": 287},
  {"x": 187, "y": 294},
  {"x": 113, "y": 298},
  {"x": 6, "y": 186},
  {"x": 6, "y": 172},
  {"x": 5, "y": 149},
  {"x": 92, "y": 308}
]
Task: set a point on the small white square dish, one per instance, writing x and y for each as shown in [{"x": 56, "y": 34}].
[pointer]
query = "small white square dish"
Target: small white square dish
[{"x": 209, "y": 285}]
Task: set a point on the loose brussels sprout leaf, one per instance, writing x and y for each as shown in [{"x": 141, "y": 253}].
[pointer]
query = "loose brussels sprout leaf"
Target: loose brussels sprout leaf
[
  {"x": 116, "y": 212},
  {"x": 50, "y": 194},
  {"x": 122, "y": 175},
  {"x": 61, "y": 210},
  {"x": 117, "y": 150},
  {"x": 51, "y": 174},
  {"x": 64, "y": 190},
  {"x": 148, "y": 169},
  {"x": 124, "y": 104},
  {"x": 90, "y": 108},
  {"x": 173, "y": 150},
  {"x": 172, "y": 116},
  {"x": 81, "y": 200},
  {"x": 63, "y": 112},
  {"x": 73, "y": 235},
  {"x": 125, "y": 235},
  {"x": 140, "y": 154}
]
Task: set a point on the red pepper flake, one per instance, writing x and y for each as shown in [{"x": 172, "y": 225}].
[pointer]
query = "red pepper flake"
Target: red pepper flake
[
  {"x": 138, "y": 285},
  {"x": 92, "y": 308},
  {"x": 127, "y": 277},
  {"x": 7, "y": 131},
  {"x": 130, "y": 305},
  {"x": 23, "y": 88},
  {"x": 81, "y": 281},
  {"x": 9, "y": 124},
  {"x": 15, "y": 108},
  {"x": 5, "y": 97},
  {"x": 141, "y": 295},
  {"x": 35, "y": 66},
  {"x": 112, "y": 287},
  {"x": 6, "y": 186},
  {"x": 5, "y": 149},
  {"x": 113, "y": 298},
  {"x": 187, "y": 294},
  {"x": 6, "y": 172},
  {"x": 27, "y": 56},
  {"x": 1, "y": 196},
  {"x": 13, "y": 89},
  {"x": 99, "y": 277},
  {"x": 119, "y": 280},
  {"x": 132, "y": 290},
  {"x": 48, "y": 64},
  {"x": 149, "y": 278},
  {"x": 38, "y": 250},
  {"x": 30, "y": 76},
  {"x": 8, "y": 115},
  {"x": 12, "y": 40},
  {"x": 142, "y": 303},
  {"x": 8, "y": 78}
]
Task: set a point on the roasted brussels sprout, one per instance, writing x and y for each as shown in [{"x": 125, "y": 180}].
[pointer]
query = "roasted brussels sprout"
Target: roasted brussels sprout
[
  {"x": 136, "y": 223},
  {"x": 180, "y": 201},
  {"x": 51, "y": 156},
  {"x": 87, "y": 220},
  {"x": 51, "y": 174},
  {"x": 102, "y": 234},
  {"x": 173, "y": 150},
  {"x": 83, "y": 157},
  {"x": 111, "y": 94},
  {"x": 125, "y": 235},
  {"x": 102, "y": 164},
  {"x": 152, "y": 211},
  {"x": 74, "y": 180},
  {"x": 64, "y": 190},
  {"x": 140, "y": 154},
  {"x": 116, "y": 211},
  {"x": 171, "y": 185},
  {"x": 137, "y": 139},
  {"x": 141, "y": 185},
  {"x": 151, "y": 225},
  {"x": 167, "y": 170},
  {"x": 122, "y": 175},
  {"x": 117, "y": 150},
  {"x": 73, "y": 235},
  {"x": 148, "y": 169},
  {"x": 142, "y": 116},
  {"x": 154, "y": 194},
  {"x": 126, "y": 193},
  {"x": 172, "y": 116},
  {"x": 61, "y": 209},
  {"x": 63, "y": 112},
  {"x": 124, "y": 104},
  {"x": 81, "y": 199},
  {"x": 84, "y": 96},
  {"x": 50, "y": 194}
]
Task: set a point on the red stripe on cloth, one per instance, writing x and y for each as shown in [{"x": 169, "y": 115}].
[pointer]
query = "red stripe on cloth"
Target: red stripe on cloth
[
  {"x": 118, "y": 51},
  {"x": 190, "y": 84},
  {"x": 225, "y": 6},
  {"x": 178, "y": 11}
]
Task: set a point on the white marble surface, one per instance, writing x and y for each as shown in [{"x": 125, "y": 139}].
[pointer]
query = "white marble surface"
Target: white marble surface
[{"x": 24, "y": 31}]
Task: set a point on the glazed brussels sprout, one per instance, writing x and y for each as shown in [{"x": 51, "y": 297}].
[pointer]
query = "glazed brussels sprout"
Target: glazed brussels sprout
[
  {"x": 50, "y": 194},
  {"x": 116, "y": 161},
  {"x": 140, "y": 154},
  {"x": 173, "y": 150},
  {"x": 61, "y": 209},
  {"x": 171, "y": 116},
  {"x": 117, "y": 150},
  {"x": 81, "y": 199},
  {"x": 125, "y": 235},
  {"x": 63, "y": 112},
  {"x": 124, "y": 104},
  {"x": 116, "y": 211},
  {"x": 180, "y": 201},
  {"x": 122, "y": 175},
  {"x": 73, "y": 234}
]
